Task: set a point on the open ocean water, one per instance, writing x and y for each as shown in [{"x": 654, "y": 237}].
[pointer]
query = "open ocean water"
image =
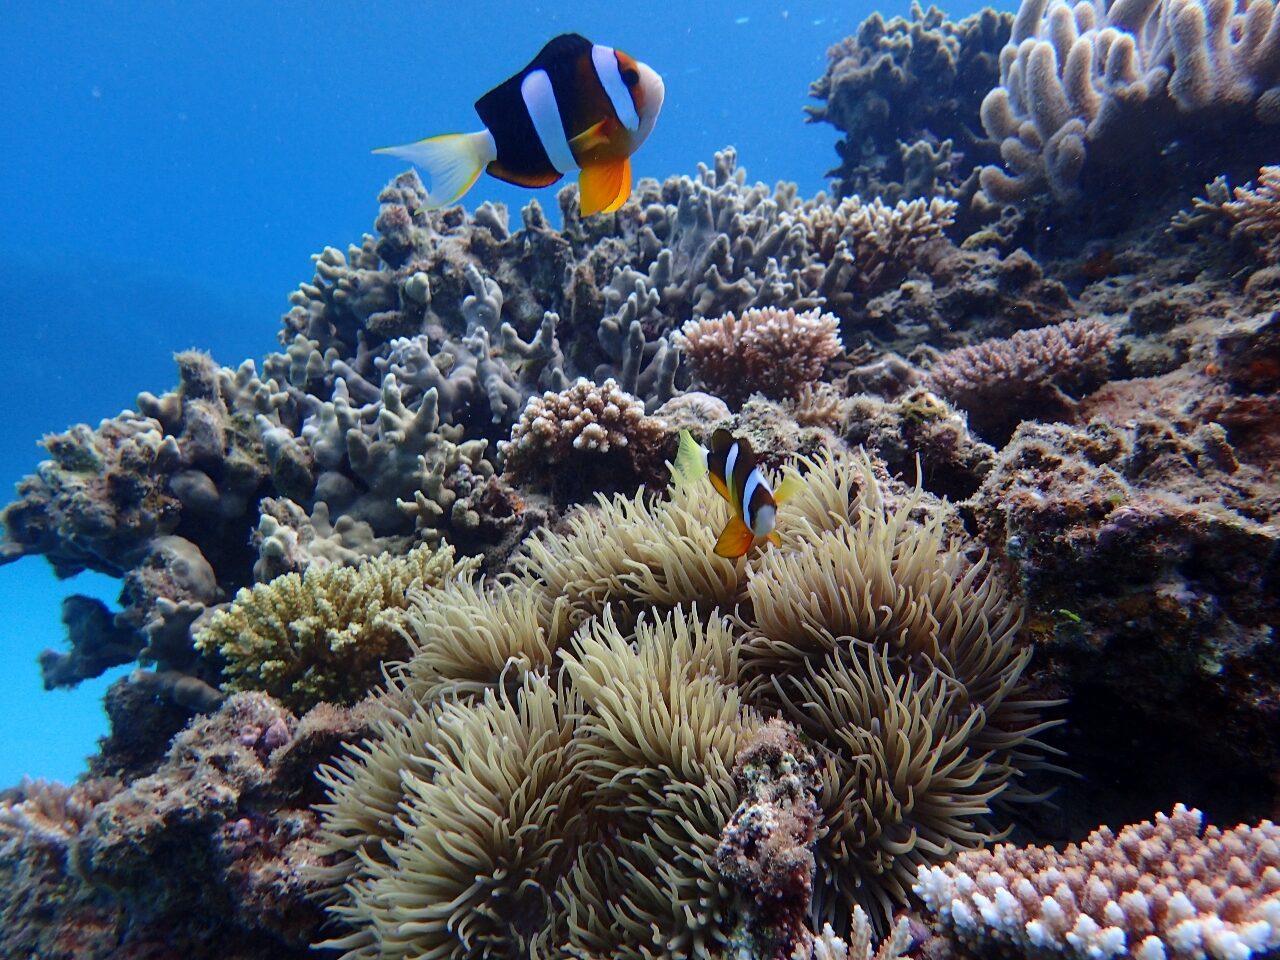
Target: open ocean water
[{"x": 167, "y": 169}]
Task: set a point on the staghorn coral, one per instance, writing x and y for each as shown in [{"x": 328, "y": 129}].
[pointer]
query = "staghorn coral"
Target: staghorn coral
[
  {"x": 775, "y": 352},
  {"x": 1169, "y": 889},
  {"x": 901, "y": 93},
  {"x": 587, "y": 437},
  {"x": 1096, "y": 84},
  {"x": 322, "y": 635},
  {"x": 997, "y": 381}
]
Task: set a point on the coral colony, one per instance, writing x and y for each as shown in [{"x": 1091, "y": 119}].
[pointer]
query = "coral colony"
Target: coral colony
[{"x": 435, "y": 657}]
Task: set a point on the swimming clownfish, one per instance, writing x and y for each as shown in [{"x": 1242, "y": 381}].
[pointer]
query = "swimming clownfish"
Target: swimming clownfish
[
  {"x": 736, "y": 477},
  {"x": 576, "y": 106}
]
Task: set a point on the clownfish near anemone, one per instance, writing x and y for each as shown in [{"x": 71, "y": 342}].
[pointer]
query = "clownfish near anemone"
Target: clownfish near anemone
[
  {"x": 731, "y": 464},
  {"x": 578, "y": 106}
]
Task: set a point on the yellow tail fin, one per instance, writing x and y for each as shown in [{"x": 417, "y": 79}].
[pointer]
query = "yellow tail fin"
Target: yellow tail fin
[
  {"x": 690, "y": 464},
  {"x": 452, "y": 162}
]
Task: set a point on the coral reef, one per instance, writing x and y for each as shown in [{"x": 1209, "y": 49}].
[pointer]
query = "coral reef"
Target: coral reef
[
  {"x": 1169, "y": 889},
  {"x": 201, "y": 858},
  {"x": 1255, "y": 213},
  {"x": 902, "y": 94},
  {"x": 774, "y": 352},
  {"x": 1105, "y": 87},
  {"x": 585, "y": 438}
]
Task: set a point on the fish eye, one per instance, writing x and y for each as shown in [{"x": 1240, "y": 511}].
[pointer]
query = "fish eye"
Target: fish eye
[{"x": 631, "y": 76}]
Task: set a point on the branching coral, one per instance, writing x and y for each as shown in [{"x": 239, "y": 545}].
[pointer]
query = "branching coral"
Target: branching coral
[
  {"x": 998, "y": 380},
  {"x": 871, "y": 246},
  {"x": 1173, "y": 888},
  {"x": 1255, "y": 212},
  {"x": 1090, "y": 79},
  {"x": 322, "y": 635},
  {"x": 775, "y": 352}
]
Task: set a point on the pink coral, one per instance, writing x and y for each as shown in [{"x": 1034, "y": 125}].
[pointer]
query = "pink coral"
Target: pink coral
[
  {"x": 771, "y": 351},
  {"x": 585, "y": 429},
  {"x": 1002, "y": 381},
  {"x": 1172, "y": 888}
]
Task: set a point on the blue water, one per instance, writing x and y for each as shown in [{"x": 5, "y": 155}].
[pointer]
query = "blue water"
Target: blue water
[{"x": 166, "y": 170}]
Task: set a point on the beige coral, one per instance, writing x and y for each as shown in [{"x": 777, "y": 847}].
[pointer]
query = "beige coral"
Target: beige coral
[
  {"x": 768, "y": 350},
  {"x": 324, "y": 634},
  {"x": 1169, "y": 889},
  {"x": 877, "y": 243},
  {"x": 584, "y": 422},
  {"x": 1255, "y": 212}
]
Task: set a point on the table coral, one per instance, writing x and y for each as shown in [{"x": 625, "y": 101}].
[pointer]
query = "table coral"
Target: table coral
[
  {"x": 1026, "y": 373},
  {"x": 1169, "y": 889},
  {"x": 770, "y": 351},
  {"x": 324, "y": 634}
]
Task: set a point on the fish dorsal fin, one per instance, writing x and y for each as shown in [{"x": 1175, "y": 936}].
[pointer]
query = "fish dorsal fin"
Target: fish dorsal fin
[
  {"x": 604, "y": 187},
  {"x": 735, "y": 539},
  {"x": 564, "y": 47}
]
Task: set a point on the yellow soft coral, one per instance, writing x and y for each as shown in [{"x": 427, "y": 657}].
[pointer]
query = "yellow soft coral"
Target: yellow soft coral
[{"x": 325, "y": 634}]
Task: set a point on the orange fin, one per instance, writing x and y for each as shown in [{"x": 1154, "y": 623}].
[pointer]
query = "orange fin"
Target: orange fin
[
  {"x": 788, "y": 488},
  {"x": 717, "y": 481},
  {"x": 604, "y": 187},
  {"x": 596, "y": 135},
  {"x": 735, "y": 539},
  {"x": 775, "y": 538}
]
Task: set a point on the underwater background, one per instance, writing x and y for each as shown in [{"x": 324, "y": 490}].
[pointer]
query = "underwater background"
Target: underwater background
[
  {"x": 860, "y": 541},
  {"x": 168, "y": 169}
]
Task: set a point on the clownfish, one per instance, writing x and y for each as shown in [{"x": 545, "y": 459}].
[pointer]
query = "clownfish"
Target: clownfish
[
  {"x": 732, "y": 465},
  {"x": 576, "y": 106}
]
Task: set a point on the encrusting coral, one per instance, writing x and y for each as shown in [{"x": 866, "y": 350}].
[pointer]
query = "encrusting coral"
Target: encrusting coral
[
  {"x": 643, "y": 711},
  {"x": 324, "y": 634},
  {"x": 775, "y": 352},
  {"x": 1169, "y": 889}
]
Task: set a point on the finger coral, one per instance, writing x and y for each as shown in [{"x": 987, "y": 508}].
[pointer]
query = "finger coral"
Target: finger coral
[
  {"x": 324, "y": 634},
  {"x": 1105, "y": 79},
  {"x": 1169, "y": 889},
  {"x": 770, "y": 351}
]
